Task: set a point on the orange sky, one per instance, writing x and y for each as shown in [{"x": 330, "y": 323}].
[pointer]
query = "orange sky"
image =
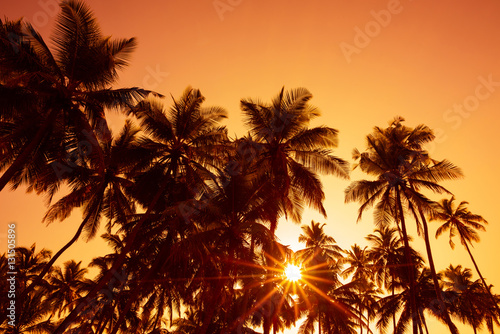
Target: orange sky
[{"x": 432, "y": 62}]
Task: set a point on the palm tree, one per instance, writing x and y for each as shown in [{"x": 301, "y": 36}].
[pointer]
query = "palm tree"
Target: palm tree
[
  {"x": 367, "y": 300},
  {"x": 67, "y": 285},
  {"x": 322, "y": 295},
  {"x": 182, "y": 144},
  {"x": 33, "y": 311},
  {"x": 395, "y": 156},
  {"x": 460, "y": 221},
  {"x": 386, "y": 247},
  {"x": 65, "y": 91},
  {"x": 319, "y": 258},
  {"x": 358, "y": 264},
  {"x": 333, "y": 309},
  {"x": 290, "y": 153},
  {"x": 100, "y": 192},
  {"x": 360, "y": 268},
  {"x": 318, "y": 244},
  {"x": 387, "y": 255},
  {"x": 470, "y": 302},
  {"x": 401, "y": 303}
]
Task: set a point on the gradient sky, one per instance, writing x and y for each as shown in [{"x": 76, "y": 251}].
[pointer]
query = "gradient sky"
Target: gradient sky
[{"x": 432, "y": 62}]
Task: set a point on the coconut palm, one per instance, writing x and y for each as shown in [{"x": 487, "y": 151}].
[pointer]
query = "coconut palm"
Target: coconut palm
[
  {"x": 33, "y": 311},
  {"x": 67, "y": 285},
  {"x": 401, "y": 303},
  {"x": 358, "y": 264},
  {"x": 322, "y": 297},
  {"x": 395, "y": 156},
  {"x": 360, "y": 269},
  {"x": 290, "y": 153},
  {"x": 64, "y": 90},
  {"x": 460, "y": 221},
  {"x": 318, "y": 244},
  {"x": 470, "y": 301},
  {"x": 179, "y": 149},
  {"x": 366, "y": 300},
  {"x": 333, "y": 309},
  {"x": 99, "y": 191},
  {"x": 387, "y": 255},
  {"x": 321, "y": 259}
]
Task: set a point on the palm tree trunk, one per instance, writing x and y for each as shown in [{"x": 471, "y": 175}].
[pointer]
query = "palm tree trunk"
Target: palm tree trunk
[
  {"x": 425, "y": 324},
  {"x": 319, "y": 320},
  {"x": 219, "y": 288},
  {"x": 360, "y": 320},
  {"x": 368, "y": 319},
  {"x": 54, "y": 259},
  {"x": 393, "y": 314},
  {"x": 101, "y": 323},
  {"x": 482, "y": 278},
  {"x": 119, "y": 260},
  {"x": 266, "y": 326},
  {"x": 27, "y": 150},
  {"x": 437, "y": 288},
  {"x": 409, "y": 262}
]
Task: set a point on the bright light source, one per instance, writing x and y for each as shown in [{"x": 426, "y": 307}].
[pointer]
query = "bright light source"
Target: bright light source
[{"x": 292, "y": 273}]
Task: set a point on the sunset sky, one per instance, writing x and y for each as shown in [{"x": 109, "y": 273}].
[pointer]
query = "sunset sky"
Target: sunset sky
[{"x": 432, "y": 62}]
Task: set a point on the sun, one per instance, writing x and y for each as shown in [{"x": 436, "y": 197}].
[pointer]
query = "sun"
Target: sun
[{"x": 292, "y": 273}]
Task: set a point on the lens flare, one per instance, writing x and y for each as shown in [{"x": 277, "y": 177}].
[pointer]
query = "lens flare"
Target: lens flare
[{"x": 292, "y": 273}]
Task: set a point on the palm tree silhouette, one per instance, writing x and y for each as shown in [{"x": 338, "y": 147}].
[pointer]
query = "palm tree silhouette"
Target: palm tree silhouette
[
  {"x": 387, "y": 256},
  {"x": 470, "y": 302},
  {"x": 460, "y": 221},
  {"x": 182, "y": 143},
  {"x": 66, "y": 90},
  {"x": 99, "y": 191},
  {"x": 291, "y": 154},
  {"x": 400, "y": 303},
  {"x": 323, "y": 298},
  {"x": 67, "y": 285},
  {"x": 395, "y": 156},
  {"x": 358, "y": 264},
  {"x": 33, "y": 311}
]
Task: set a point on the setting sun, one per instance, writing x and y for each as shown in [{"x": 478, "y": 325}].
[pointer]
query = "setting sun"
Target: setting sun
[{"x": 292, "y": 273}]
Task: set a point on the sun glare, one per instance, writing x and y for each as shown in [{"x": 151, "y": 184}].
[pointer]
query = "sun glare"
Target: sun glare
[{"x": 292, "y": 273}]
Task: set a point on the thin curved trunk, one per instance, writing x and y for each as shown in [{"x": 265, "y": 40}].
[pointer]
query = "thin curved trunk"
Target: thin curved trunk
[
  {"x": 319, "y": 320},
  {"x": 62, "y": 250},
  {"x": 266, "y": 325},
  {"x": 118, "y": 262},
  {"x": 453, "y": 329},
  {"x": 409, "y": 263},
  {"x": 101, "y": 324},
  {"x": 54, "y": 259},
  {"x": 27, "y": 150},
  {"x": 425, "y": 324},
  {"x": 368, "y": 321},
  {"x": 360, "y": 319},
  {"x": 393, "y": 314},
  {"x": 482, "y": 278}
]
